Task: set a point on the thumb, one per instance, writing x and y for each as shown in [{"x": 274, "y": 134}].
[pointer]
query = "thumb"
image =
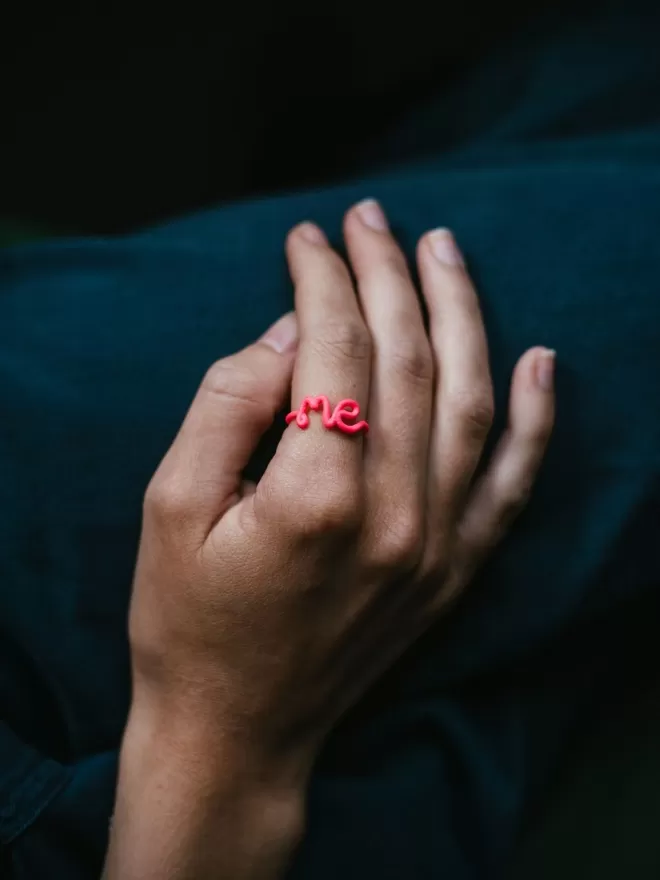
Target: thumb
[{"x": 235, "y": 405}]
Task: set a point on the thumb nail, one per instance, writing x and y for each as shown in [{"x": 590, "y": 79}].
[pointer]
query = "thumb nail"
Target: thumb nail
[{"x": 283, "y": 335}]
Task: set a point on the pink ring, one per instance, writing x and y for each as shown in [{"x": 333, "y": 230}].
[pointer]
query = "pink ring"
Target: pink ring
[{"x": 345, "y": 409}]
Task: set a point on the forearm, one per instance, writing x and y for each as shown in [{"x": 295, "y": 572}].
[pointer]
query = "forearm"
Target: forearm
[{"x": 188, "y": 808}]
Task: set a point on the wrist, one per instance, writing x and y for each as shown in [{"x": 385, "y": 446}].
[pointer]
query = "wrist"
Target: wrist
[
  {"x": 192, "y": 803},
  {"x": 223, "y": 750}
]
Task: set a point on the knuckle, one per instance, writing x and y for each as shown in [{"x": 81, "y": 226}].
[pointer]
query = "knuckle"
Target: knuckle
[
  {"x": 435, "y": 563},
  {"x": 346, "y": 340},
  {"x": 234, "y": 385},
  {"x": 474, "y": 409},
  {"x": 167, "y": 501},
  {"x": 537, "y": 433},
  {"x": 513, "y": 497},
  {"x": 412, "y": 358},
  {"x": 222, "y": 378},
  {"x": 337, "y": 512},
  {"x": 400, "y": 546},
  {"x": 219, "y": 377},
  {"x": 307, "y": 505}
]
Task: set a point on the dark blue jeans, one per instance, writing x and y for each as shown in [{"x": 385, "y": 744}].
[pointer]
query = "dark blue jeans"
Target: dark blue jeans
[{"x": 556, "y": 200}]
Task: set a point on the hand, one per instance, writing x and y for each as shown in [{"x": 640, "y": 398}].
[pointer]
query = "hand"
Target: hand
[{"x": 260, "y": 614}]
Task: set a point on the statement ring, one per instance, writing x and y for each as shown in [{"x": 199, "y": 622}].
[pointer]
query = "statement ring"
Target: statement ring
[{"x": 333, "y": 419}]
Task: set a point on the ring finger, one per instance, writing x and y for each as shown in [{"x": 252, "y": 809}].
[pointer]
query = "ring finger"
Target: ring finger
[{"x": 464, "y": 405}]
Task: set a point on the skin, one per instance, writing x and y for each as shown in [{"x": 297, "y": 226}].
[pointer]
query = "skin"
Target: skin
[{"x": 261, "y": 613}]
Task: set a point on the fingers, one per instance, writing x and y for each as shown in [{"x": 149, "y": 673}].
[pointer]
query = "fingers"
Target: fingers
[
  {"x": 505, "y": 487},
  {"x": 464, "y": 398},
  {"x": 402, "y": 377},
  {"x": 334, "y": 357},
  {"x": 235, "y": 405}
]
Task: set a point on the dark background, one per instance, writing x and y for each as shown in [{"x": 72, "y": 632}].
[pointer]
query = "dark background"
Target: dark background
[
  {"x": 110, "y": 121},
  {"x": 114, "y": 120}
]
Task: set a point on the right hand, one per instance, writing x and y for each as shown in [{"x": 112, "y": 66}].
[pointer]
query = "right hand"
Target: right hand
[{"x": 262, "y": 615}]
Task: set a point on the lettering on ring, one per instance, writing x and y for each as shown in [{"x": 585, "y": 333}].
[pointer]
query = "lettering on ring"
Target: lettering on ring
[{"x": 345, "y": 409}]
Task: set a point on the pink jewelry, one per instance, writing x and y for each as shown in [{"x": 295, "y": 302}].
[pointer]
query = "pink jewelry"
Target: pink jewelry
[{"x": 345, "y": 409}]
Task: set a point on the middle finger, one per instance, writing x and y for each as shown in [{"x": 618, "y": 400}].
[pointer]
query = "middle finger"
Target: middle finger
[{"x": 402, "y": 379}]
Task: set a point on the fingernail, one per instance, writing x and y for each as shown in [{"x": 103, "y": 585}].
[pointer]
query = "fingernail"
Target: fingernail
[
  {"x": 311, "y": 233},
  {"x": 444, "y": 248},
  {"x": 283, "y": 335},
  {"x": 372, "y": 215},
  {"x": 545, "y": 369}
]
